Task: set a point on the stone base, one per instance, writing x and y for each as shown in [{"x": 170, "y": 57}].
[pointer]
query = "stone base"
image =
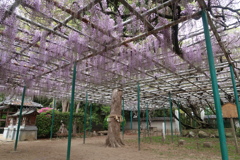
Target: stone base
[
  {"x": 26, "y": 133},
  {"x": 8, "y": 133},
  {"x": 5, "y": 133}
]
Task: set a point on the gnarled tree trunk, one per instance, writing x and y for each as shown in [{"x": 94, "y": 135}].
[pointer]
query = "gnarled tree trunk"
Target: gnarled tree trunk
[
  {"x": 77, "y": 108},
  {"x": 65, "y": 105},
  {"x": 113, "y": 138}
]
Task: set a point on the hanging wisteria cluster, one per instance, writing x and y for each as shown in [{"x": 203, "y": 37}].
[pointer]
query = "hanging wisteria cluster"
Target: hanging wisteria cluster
[{"x": 113, "y": 44}]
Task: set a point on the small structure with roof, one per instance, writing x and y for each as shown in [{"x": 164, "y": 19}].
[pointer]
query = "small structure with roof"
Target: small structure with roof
[
  {"x": 28, "y": 129},
  {"x": 10, "y": 110},
  {"x": 229, "y": 110}
]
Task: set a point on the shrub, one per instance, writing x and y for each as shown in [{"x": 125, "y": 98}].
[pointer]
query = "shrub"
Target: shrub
[
  {"x": 46, "y": 109},
  {"x": 238, "y": 132},
  {"x": 44, "y": 121}
]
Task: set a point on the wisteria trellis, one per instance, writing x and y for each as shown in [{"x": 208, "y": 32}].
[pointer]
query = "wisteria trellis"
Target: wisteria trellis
[{"x": 159, "y": 44}]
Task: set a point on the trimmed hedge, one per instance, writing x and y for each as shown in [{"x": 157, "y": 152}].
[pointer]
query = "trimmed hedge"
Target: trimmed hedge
[{"x": 44, "y": 121}]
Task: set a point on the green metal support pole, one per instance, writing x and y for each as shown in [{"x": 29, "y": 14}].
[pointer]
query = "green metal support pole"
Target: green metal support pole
[
  {"x": 19, "y": 118},
  {"x": 85, "y": 115},
  {"x": 179, "y": 119},
  {"x": 235, "y": 92},
  {"x": 170, "y": 103},
  {"x": 54, "y": 105},
  {"x": 131, "y": 117},
  {"x": 139, "y": 130},
  {"x": 90, "y": 121},
  {"x": 123, "y": 118},
  {"x": 71, "y": 113},
  {"x": 223, "y": 144},
  {"x": 147, "y": 118}
]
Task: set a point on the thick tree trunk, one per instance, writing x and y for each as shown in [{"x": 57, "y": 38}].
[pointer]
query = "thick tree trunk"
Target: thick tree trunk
[
  {"x": 77, "y": 108},
  {"x": 113, "y": 138},
  {"x": 67, "y": 107},
  {"x": 64, "y": 105}
]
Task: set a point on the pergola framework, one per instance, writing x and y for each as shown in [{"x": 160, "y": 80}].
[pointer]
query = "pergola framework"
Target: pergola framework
[
  {"x": 40, "y": 41},
  {"x": 158, "y": 45}
]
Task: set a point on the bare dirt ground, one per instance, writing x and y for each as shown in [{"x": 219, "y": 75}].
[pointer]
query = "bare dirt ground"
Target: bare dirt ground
[{"x": 94, "y": 149}]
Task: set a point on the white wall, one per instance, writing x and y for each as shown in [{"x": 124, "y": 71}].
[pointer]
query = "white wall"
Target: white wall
[{"x": 157, "y": 124}]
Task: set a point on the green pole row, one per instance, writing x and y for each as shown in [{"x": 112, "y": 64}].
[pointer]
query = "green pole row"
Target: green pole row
[
  {"x": 138, "y": 97},
  {"x": 54, "y": 105},
  {"x": 235, "y": 91},
  {"x": 71, "y": 113},
  {"x": 85, "y": 115},
  {"x": 220, "y": 124},
  {"x": 170, "y": 103},
  {"x": 20, "y": 118}
]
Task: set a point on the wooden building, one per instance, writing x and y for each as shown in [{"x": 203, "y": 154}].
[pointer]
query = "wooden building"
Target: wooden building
[
  {"x": 28, "y": 129},
  {"x": 11, "y": 106}
]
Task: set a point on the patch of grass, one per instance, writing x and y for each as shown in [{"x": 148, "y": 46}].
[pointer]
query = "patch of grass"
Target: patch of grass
[
  {"x": 161, "y": 153},
  {"x": 195, "y": 144}
]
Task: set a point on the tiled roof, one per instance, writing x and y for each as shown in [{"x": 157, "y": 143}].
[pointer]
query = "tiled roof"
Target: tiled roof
[
  {"x": 14, "y": 102},
  {"x": 26, "y": 111}
]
